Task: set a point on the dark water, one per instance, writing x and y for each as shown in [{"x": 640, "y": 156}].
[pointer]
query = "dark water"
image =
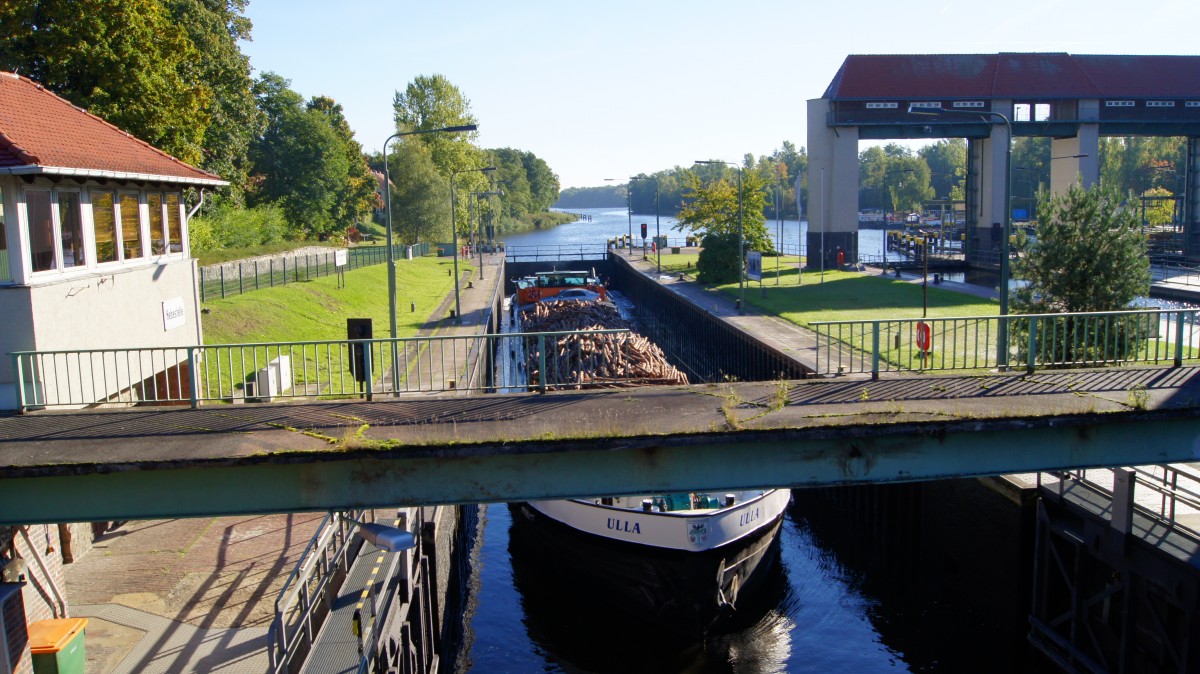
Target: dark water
[
  {"x": 836, "y": 602},
  {"x": 822, "y": 610}
]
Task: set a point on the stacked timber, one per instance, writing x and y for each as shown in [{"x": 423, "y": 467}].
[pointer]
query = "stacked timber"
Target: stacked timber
[{"x": 593, "y": 360}]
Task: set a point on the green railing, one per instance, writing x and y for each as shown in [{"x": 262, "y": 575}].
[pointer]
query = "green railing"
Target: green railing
[
  {"x": 1095, "y": 339},
  {"x": 265, "y": 372}
]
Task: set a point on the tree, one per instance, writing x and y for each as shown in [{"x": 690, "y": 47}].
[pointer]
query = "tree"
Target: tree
[
  {"x": 420, "y": 195},
  {"x": 1089, "y": 254},
  {"x": 358, "y": 197},
  {"x": 711, "y": 212},
  {"x": 127, "y": 61},
  {"x": 301, "y": 160}
]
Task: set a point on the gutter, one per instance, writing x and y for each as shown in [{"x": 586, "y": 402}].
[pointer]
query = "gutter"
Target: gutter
[{"x": 31, "y": 170}]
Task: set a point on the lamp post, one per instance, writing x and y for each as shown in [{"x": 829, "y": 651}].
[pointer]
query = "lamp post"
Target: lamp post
[
  {"x": 479, "y": 224},
  {"x": 454, "y": 236},
  {"x": 387, "y": 191},
  {"x": 391, "y": 539},
  {"x": 1002, "y": 331},
  {"x": 741, "y": 232},
  {"x": 657, "y": 248}
]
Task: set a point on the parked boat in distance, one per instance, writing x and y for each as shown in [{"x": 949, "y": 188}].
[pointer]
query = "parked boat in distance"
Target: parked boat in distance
[{"x": 548, "y": 285}]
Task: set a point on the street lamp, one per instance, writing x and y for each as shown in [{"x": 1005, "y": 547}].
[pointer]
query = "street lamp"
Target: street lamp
[
  {"x": 454, "y": 235},
  {"x": 1002, "y": 331},
  {"x": 479, "y": 224},
  {"x": 741, "y": 233},
  {"x": 384, "y": 537},
  {"x": 387, "y": 191},
  {"x": 657, "y": 248}
]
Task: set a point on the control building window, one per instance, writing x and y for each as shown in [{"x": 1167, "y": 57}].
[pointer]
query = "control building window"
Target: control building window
[
  {"x": 158, "y": 244},
  {"x": 71, "y": 225},
  {"x": 131, "y": 228},
  {"x": 104, "y": 222},
  {"x": 5, "y": 269},
  {"x": 174, "y": 229},
  {"x": 41, "y": 230}
]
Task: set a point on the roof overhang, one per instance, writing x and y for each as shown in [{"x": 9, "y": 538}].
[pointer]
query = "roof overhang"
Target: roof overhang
[{"x": 33, "y": 170}]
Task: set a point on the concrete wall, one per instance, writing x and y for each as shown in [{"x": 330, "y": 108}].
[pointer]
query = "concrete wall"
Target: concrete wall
[
  {"x": 832, "y": 189},
  {"x": 116, "y": 310}
]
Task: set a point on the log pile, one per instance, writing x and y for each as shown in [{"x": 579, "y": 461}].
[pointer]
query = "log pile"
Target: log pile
[{"x": 592, "y": 361}]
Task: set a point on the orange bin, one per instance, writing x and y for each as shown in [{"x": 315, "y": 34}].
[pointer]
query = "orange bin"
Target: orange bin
[{"x": 57, "y": 645}]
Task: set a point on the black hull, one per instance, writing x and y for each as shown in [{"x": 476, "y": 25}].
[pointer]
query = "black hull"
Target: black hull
[{"x": 684, "y": 594}]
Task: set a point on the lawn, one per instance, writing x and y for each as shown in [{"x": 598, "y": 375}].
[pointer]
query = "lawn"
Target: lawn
[{"x": 316, "y": 311}]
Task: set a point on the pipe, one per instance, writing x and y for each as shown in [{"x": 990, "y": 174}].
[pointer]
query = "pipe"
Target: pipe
[
  {"x": 197, "y": 207},
  {"x": 37, "y": 557}
]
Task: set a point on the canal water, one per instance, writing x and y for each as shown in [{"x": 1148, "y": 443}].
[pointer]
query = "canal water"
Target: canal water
[{"x": 823, "y": 610}]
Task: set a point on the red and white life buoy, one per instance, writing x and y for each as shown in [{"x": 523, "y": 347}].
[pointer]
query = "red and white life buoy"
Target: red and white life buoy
[{"x": 924, "y": 336}]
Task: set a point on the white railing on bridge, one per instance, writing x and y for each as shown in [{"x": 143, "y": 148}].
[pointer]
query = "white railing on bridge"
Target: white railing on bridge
[
  {"x": 555, "y": 252},
  {"x": 1094, "y": 339},
  {"x": 265, "y": 372}
]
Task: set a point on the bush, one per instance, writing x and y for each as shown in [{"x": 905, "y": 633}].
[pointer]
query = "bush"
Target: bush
[
  {"x": 718, "y": 261},
  {"x": 226, "y": 227}
]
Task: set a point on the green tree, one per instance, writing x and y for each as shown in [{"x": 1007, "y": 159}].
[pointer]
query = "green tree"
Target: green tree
[
  {"x": 1090, "y": 254},
  {"x": 420, "y": 195},
  {"x": 127, "y": 61},
  {"x": 216, "y": 27},
  {"x": 301, "y": 160},
  {"x": 358, "y": 197},
  {"x": 947, "y": 162},
  {"x": 711, "y": 212}
]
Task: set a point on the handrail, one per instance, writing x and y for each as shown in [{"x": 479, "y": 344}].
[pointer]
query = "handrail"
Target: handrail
[
  {"x": 259, "y": 370},
  {"x": 1081, "y": 339}
]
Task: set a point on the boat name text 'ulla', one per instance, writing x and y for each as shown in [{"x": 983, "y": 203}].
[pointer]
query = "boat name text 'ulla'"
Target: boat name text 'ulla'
[
  {"x": 748, "y": 517},
  {"x": 624, "y": 525}
]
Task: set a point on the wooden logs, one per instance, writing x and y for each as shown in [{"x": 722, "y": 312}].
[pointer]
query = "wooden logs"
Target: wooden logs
[{"x": 589, "y": 361}]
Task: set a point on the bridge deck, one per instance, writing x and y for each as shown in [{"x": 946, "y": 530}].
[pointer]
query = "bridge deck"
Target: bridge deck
[{"x": 144, "y": 463}]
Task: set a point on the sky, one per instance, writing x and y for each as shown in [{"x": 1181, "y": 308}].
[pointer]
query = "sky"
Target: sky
[{"x": 615, "y": 88}]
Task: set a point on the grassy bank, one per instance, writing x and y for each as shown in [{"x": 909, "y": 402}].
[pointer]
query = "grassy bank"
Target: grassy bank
[
  {"x": 841, "y": 296},
  {"x": 317, "y": 310}
]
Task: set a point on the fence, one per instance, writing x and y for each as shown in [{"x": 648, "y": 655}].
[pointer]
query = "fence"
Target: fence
[
  {"x": 1174, "y": 273},
  {"x": 1166, "y": 494},
  {"x": 1033, "y": 340},
  {"x": 555, "y": 253},
  {"x": 246, "y": 276},
  {"x": 314, "y": 369}
]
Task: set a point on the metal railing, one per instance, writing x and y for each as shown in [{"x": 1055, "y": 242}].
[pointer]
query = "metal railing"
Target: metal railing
[
  {"x": 1160, "y": 493},
  {"x": 1034, "y": 341},
  {"x": 1171, "y": 272},
  {"x": 308, "y": 594},
  {"x": 315, "y": 369},
  {"x": 235, "y": 278},
  {"x": 555, "y": 252}
]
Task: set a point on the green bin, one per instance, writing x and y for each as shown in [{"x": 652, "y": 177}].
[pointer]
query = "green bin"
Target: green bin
[{"x": 57, "y": 645}]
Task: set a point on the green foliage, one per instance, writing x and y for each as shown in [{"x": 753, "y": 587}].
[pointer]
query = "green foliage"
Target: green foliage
[
  {"x": 712, "y": 208},
  {"x": 1160, "y": 207},
  {"x": 1090, "y": 255},
  {"x": 892, "y": 179},
  {"x": 719, "y": 262},
  {"x": 127, "y": 61},
  {"x": 604, "y": 196},
  {"x": 420, "y": 195},
  {"x": 309, "y": 163},
  {"x": 227, "y": 226}
]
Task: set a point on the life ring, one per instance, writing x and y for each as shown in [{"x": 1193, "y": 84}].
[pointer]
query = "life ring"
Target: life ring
[{"x": 923, "y": 336}]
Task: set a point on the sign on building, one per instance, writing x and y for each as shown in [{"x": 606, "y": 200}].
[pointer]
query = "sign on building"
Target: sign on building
[{"x": 174, "y": 315}]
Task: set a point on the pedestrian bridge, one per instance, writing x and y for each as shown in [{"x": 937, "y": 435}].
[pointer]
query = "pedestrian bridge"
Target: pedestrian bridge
[{"x": 140, "y": 463}]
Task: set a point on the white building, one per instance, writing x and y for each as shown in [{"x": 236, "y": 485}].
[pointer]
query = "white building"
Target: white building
[{"x": 93, "y": 245}]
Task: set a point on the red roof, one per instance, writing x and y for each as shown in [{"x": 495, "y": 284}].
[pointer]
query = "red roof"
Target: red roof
[
  {"x": 41, "y": 133},
  {"x": 1015, "y": 76}
]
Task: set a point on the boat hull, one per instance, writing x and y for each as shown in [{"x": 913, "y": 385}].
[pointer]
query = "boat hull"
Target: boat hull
[{"x": 687, "y": 590}]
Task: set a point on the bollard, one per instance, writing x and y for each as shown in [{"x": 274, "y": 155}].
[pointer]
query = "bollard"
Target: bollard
[{"x": 412, "y": 306}]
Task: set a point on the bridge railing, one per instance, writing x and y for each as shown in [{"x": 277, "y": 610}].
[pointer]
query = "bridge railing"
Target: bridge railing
[
  {"x": 1168, "y": 494},
  {"x": 265, "y": 372},
  {"x": 1093, "y": 339},
  {"x": 555, "y": 252}
]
